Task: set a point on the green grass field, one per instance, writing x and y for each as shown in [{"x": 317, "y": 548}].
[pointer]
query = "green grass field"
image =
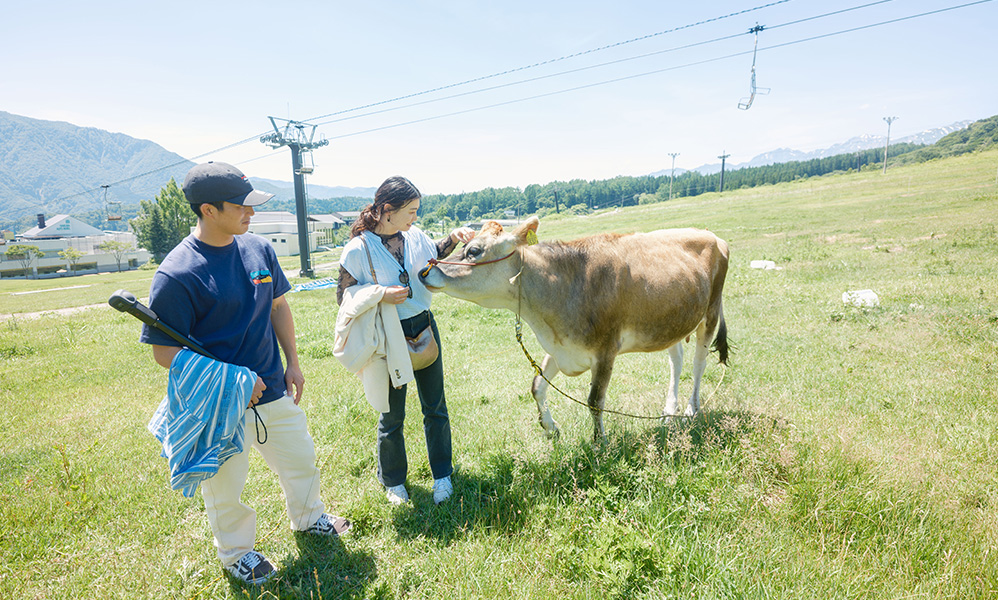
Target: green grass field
[{"x": 844, "y": 452}]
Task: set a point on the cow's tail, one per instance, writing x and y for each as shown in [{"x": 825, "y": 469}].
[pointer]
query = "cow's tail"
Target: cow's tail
[{"x": 721, "y": 341}]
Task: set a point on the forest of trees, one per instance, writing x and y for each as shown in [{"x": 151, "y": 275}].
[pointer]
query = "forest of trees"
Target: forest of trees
[{"x": 580, "y": 196}]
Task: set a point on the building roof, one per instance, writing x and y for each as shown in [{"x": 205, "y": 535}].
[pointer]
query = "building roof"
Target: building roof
[
  {"x": 283, "y": 216},
  {"x": 61, "y": 226},
  {"x": 333, "y": 219},
  {"x": 277, "y": 216}
]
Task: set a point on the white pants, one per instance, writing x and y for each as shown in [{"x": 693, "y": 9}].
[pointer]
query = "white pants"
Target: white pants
[{"x": 290, "y": 452}]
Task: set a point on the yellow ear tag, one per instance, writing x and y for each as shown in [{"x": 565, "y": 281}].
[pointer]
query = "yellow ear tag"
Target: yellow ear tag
[{"x": 531, "y": 237}]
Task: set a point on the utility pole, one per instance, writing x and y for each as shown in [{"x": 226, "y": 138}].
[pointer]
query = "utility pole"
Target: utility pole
[
  {"x": 556, "y": 200},
  {"x": 723, "y": 157},
  {"x": 673, "y": 176},
  {"x": 293, "y": 136},
  {"x": 889, "y": 120}
]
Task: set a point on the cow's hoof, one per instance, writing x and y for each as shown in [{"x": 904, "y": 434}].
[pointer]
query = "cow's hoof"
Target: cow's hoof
[
  {"x": 672, "y": 421},
  {"x": 690, "y": 412},
  {"x": 552, "y": 432}
]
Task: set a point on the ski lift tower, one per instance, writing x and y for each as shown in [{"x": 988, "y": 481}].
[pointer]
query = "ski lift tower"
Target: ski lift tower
[{"x": 293, "y": 135}]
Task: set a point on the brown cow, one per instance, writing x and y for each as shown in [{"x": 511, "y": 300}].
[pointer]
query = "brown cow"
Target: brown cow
[{"x": 591, "y": 299}]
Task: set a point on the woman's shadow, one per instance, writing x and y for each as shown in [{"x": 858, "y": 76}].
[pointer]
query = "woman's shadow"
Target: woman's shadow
[
  {"x": 504, "y": 494},
  {"x": 509, "y": 487}
]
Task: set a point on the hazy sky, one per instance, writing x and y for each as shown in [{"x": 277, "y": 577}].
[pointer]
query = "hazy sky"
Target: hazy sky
[{"x": 197, "y": 76}]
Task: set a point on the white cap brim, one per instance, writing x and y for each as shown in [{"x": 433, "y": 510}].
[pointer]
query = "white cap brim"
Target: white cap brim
[{"x": 256, "y": 198}]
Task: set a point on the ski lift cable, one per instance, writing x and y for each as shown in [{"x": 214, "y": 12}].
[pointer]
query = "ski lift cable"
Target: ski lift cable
[
  {"x": 638, "y": 75},
  {"x": 532, "y": 79},
  {"x": 878, "y": 24},
  {"x": 580, "y": 69},
  {"x": 662, "y": 70},
  {"x": 859, "y": 28},
  {"x": 494, "y": 75},
  {"x": 830, "y": 14},
  {"x": 554, "y": 60},
  {"x": 154, "y": 171}
]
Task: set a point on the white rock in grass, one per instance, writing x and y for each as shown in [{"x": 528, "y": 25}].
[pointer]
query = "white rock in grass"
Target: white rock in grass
[
  {"x": 861, "y": 298},
  {"x": 767, "y": 265}
]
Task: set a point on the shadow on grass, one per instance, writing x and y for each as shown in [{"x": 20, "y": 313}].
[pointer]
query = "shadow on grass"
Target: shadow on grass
[
  {"x": 512, "y": 486},
  {"x": 323, "y": 568},
  {"x": 515, "y": 490}
]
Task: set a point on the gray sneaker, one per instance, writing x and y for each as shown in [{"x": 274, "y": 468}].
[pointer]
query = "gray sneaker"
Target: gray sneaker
[
  {"x": 328, "y": 524},
  {"x": 252, "y": 568}
]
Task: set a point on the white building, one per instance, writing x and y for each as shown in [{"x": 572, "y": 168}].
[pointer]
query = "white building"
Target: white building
[
  {"x": 62, "y": 232},
  {"x": 280, "y": 228},
  {"x": 347, "y": 216}
]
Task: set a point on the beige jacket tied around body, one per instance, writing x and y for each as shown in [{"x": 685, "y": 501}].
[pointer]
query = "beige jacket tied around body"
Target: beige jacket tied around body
[{"x": 369, "y": 342}]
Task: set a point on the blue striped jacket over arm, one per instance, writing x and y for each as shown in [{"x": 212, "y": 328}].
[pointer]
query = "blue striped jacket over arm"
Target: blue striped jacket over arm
[{"x": 201, "y": 421}]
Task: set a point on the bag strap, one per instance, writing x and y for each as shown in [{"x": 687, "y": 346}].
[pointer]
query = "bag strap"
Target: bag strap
[{"x": 369, "y": 261}]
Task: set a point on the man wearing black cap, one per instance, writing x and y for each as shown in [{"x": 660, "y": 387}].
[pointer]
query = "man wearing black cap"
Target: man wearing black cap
[{"x": 226, "y": 290}]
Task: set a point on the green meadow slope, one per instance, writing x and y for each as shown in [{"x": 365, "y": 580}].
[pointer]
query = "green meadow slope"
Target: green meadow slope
[{"x": 845, "y": 452}]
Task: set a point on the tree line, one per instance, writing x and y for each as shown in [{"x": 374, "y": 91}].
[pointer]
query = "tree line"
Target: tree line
[
  {"x": 580, "y": 196},
  {"x": 161, "y": 223}
]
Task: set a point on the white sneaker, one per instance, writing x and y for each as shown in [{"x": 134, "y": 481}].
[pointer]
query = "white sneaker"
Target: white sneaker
[
  {"x": 252, "y": 568},
  {"x": 442, "y": 489},
  {"x": 397, "y": 494}
]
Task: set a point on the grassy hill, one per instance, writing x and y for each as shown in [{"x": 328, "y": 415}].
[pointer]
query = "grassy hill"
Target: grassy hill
[{"x": 844, "y": 453}]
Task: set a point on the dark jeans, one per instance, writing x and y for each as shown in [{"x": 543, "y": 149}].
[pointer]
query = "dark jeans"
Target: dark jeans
[{"x": 392, "y": 462}]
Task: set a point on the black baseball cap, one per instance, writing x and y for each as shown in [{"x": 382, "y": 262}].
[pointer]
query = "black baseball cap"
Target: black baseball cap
[{"x": 219, "y": 181}]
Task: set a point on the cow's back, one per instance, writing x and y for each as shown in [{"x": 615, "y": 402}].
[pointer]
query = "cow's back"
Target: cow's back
[{"x": 638, "y": 292}]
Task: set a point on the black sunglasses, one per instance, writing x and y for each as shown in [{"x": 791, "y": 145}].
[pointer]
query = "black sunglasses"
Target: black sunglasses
[{"x": 404, "y": 280}]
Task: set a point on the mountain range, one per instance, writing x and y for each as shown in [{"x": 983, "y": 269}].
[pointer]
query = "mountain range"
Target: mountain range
[
  {"x": 57, "y": 167},
  {"x": 285, "y": 190},
  {"x": 855, "y": 144}
]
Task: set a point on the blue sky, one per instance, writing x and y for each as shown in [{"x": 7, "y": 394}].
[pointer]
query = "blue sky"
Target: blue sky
[{"x": 197, "y": 76}]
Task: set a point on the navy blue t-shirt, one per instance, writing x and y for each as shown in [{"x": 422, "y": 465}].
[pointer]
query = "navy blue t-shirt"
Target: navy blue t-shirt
[{"x": 222, "y": 297}]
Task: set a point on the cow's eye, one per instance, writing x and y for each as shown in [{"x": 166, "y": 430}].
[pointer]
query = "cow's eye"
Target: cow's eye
[{"x": 474, "y": 251}]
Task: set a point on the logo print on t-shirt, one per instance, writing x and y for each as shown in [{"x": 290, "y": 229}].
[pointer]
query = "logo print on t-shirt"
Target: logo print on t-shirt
[{"x": 261, "y": 276}]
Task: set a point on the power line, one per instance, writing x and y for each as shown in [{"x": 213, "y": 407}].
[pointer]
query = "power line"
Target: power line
[
  {"x": 147, "y": 173},
  {"x": 554, "y": 60},
  {"x": 656, "y": 71},
  {"x": 648, "y": 73},
  {"x": 534, "y": 79},
  {"x": 449, "y": 86},
  {"x": 570, "y": 71},
  {"x": 558, "y": 92}
]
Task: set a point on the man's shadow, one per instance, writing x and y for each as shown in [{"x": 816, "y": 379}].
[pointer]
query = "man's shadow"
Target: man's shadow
[
  {"x": 505, "y": 493},
  {"x": 323, "y": 568}
]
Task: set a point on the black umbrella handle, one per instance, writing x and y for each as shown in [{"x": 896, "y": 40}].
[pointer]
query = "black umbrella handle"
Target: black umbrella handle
[{"x": 126, "y": 302}]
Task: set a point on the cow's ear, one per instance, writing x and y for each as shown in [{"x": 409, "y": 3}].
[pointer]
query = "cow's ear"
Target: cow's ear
[
  {"x": 524, "y": 231},
  {"x": 491, "y": 227}
]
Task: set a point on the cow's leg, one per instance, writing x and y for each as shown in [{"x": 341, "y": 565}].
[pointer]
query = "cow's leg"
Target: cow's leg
[
  {"x": 597, "y": 394},
  {"x": 699, "y": 366},
  {"x": 675, "y": 369},
  {"x": 539, "y": 389}
]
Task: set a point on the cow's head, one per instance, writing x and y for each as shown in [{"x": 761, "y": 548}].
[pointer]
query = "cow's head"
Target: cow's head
[{"x": 481, "y": 273}]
